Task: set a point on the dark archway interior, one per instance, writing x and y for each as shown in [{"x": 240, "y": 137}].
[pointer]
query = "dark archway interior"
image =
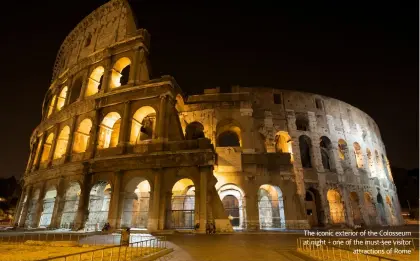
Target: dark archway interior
[{"x": 228, "y": 139}]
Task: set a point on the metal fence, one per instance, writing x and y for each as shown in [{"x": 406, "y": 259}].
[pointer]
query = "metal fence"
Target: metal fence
[
  {"x": 128, "y": 252},
  {"x": 327, "y": 252}
]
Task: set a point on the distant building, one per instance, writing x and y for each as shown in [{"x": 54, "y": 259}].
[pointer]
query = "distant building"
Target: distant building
[{"x": 9, "y": 196}]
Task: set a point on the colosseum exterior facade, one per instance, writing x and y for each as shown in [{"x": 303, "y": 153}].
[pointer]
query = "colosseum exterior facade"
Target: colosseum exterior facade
[{"x": 116, "y": 146}]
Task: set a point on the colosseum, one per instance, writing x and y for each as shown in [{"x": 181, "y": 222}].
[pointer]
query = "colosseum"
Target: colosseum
[{"x": 117, "y": 147}]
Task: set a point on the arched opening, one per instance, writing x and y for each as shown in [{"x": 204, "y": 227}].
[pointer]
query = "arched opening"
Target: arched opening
[
  {"x": 51, "y": 106},
  {"x": 384, "y": 166},
  {"x": 62, "y": 98},
  {"x": 48, "y": 207},
  {"x": 62, "y": 141},
  {"x": 228, "y": 134},
  {"x": 342, "y": 149},
  {"x": 95, "y": 81},
  {"x": 143, "y": 125},
  {"x": 284, "y": 143},
  {"x": 233, "y": 202},
  {"x": 355, "y": 209},
  {"x": 71, "y": 204},
  {"x": 336, "y": 207},
  {"x": 81, "y": 136},
  {"x": 88, "y": 40},
  {"x": 195, "y": 130},
  {"x": 370, "y": 208},
  {"x": 47, "y": 148},
  {"x": 370, "y": 162},
  {"x": 271, "y": 207},
  {"x": 181, "y": 215},
  {"x": 75, "y": 89},
  {"x": 302, "y": 123},
  {"x": 314, "y": 212},
  {"x": 391, "y": 210},
  {"x": 109, "y": 131},
  {"x": 381, "y": 209},
  {"x": 120, "y": 72},
  {"x": 305, "y": 147},
  {"x": 136, "y": 204},
  {"x": 326, "y": 153},
  {"x": 32, "y": 209},
  {"x": 358, "y": 155},
  {"x": 99, "y": 200}
]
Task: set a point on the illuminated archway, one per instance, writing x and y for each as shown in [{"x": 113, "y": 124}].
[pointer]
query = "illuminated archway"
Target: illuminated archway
[
  {"x": 182, "y": 205},
  {"x": 371, "y": 162},
  {"x": 143, "y": 125},
  {"x": 120, "y": 72},
  {"x": 355, "y": 209},
  {"x": 48, "y": 207},
  {"x": 62, "y": 142},
  {"x": 71, "y": 204},
  {"x": 136, "y": 204},
  {"x": 109, "y": 131},
  {"x": 47, "y": 148},
  {"x": 51, "y": 106},
  {"x": 336, "y": 207},
  {"x": 391, "y": 211},
  {"x": 233, "y": 202},
  {"x": 271, "y": 207},
  {"x": 228, "y": 134},
  {"x": 81, "y": 136},
  {"x": 95, "y": 81},
  {"x": 99, "y": 200},
  {"x": 62, "y": 98},
  {"x": 358, "y": 155},
  {"x": 284, "y": 143}
]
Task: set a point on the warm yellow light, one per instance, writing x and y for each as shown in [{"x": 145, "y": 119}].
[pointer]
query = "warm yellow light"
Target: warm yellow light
[
  {"x": 94, "y": 81},
  {"x": 116, "y": 71},
  {"x": 62, "y": 98},
  {"x": 62, "y": 141},
  {"x": 109, "y": 131},
  {"x": 81, "y": 136}
]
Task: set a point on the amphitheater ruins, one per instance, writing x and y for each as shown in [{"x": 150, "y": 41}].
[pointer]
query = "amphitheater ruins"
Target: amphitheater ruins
[{"x": 116, "y": 146}]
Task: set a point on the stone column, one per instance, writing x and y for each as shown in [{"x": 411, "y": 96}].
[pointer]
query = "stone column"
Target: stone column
[
  {"x": 91, "y": 149},
  {"x": 107, "y": 75},
  {"x": 253, "y": 220},
  {"x": 203, "y": 200},
  {"x": 162, "y": 116},
  {"x": 24, "y": 206},
  {"x": 53, "y": 145},
  {"x": 153, "y": 222},
  {"x": 69, "y": 148},
  {"x": 39, "y": 207},
  {"x": 32, "y": 153},
  {"x": 82, "y": 209},
  {"x": 197, "y": 206},
  {"x": 143, "y": 67},
  {"x": 363, "y": 208},
  {"x": 165, "y": 207},
  {"x": 115, "y": 198},
  {"x": 125, "y": 126},
  {"x": 38, "y": 157},
  {"x": 134, "y": 66},
  {"x": 59, "y": 204}
]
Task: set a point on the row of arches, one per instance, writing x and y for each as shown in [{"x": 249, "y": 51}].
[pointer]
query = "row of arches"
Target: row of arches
[{"x": 119, "y": 76}]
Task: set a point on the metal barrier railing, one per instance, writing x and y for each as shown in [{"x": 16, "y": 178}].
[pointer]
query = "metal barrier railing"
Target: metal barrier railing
[
  {"x": 328, "y": 252},
  {"x": 127, "y": 252}
]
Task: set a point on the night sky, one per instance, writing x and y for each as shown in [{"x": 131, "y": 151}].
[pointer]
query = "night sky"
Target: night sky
[{"x": 363, "y": 53}]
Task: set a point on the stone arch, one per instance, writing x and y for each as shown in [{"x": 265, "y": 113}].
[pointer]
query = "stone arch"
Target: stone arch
[
  {"x": 391, "y": 210},
  {"x": 95, "y": 81},
  {"x": 120, "y": 72},
  {"x": 82, "y": 136},
  {"x": 326, "y": 153},
  {"x": 48, "y": 207},
  {"x": 302, "y": 123},
  {"x": 51, "y": 105},
  {"x": 314, "y": 211},
  {"x": 271, "y": 207},
  {"x": 355, "y": 208},
  {"x": 143, "y": 125},
  {"x": 283, "y": 142},
  {"x": 109, "y": 131},
  {"x": 47, "y": 148},
  {"x": 370, "y": 162},
  {"x": 358, "y": 155},
  {"x": 336, "y": 207},
  {"x": 370, "y": 207},
  {"x": 381, "y": 208},
  {"x": 71, "y": 204},
  {"x": 62, "y": 142},
  {"x": 182, "y": 205},
  {"x": 342, "y": 149},
  {"x": 61, "y": 101},
  {"x": 76, "y": 87},
  {"x": 305, "y": 147},
  {"x": 233, "y": 200},
  {"x": 30, "y": 217},
  {"x": 136, "y": 203},
  {"x": 194, "y": 130},
  {"x": 228, "y": 134},
  {"x": 99, "y": 201}
]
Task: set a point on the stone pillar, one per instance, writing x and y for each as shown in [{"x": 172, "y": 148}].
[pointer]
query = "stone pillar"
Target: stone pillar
[
  {"x": 253, "y": 220},
  {"x": 32, "y": 153},
  {"x": 134, "y": 67},
  {"x": 345, "y": 198},
  {"x": 38, "y": 157},
  {"x": 165, "y": 208},
  {"x": 197, "y": 206},
  {"x": 94, "y": 133},
  {"x": 203, "y": 200},
  {"x": 363, "y": 208},
  {"x": 39, "y": 207},
  {"x": 82, "y": 209},
  {"x": 125, "y": 126},
  {"x": 24, "y": 206},
  {"x": 143, "y": 67},
  {"x": 153, "y": 222},
  {"x": 69, "y": 148},
  {"x": 162, "y": 116},
  {"x": 59, "y": 204},
  {"x": 107, "y": 75},
  {"x": 53, "y": 145},
  {"x": 115, "y": 198}
]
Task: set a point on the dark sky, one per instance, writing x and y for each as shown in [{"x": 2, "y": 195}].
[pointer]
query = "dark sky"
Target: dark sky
[{"x": 363, "y": 53}]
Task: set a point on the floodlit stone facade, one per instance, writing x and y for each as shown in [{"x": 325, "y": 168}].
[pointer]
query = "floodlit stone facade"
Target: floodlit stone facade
[{"x": 116, "y": 146}]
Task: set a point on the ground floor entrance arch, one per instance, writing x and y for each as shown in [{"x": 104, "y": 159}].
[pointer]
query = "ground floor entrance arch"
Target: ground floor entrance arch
[
  {"x": 336, "y": 207},
  {"x": 48, "y": 207},
  {"x": 136, "y": 204},
  {"x": 99, "y": 200},
  {"x": 71, "y": 204},
  {"x": 314, "y": 212},
  {"x": 271, "y": 207},
  {"x": 233, "y": 203},
  {"x": 181, "y": 214}
]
